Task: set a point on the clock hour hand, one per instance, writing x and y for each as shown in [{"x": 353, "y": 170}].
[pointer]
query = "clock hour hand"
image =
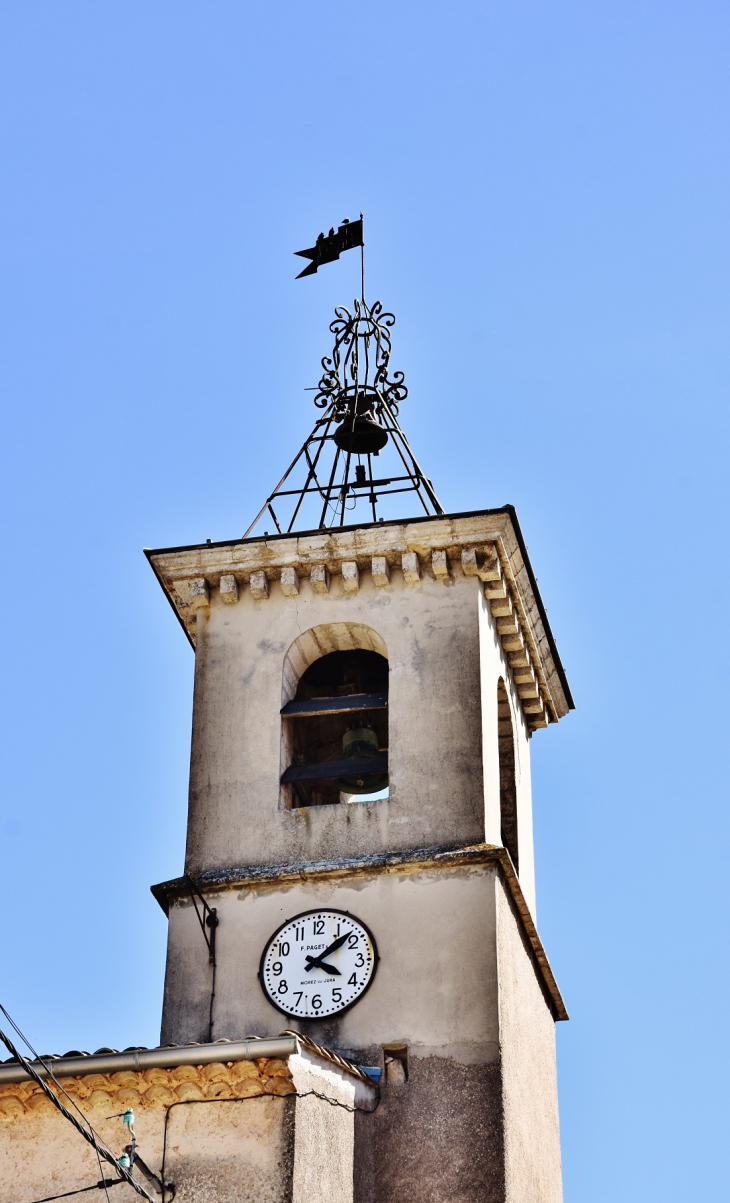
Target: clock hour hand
[
  {"x": 313, "y": 962},
  {"x": 317, "y": 964}
]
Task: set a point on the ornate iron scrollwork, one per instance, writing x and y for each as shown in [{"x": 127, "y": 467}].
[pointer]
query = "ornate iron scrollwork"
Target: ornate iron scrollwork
[
  {"x": 360, "y": 399},
  {"x": 360, "y": 361}
]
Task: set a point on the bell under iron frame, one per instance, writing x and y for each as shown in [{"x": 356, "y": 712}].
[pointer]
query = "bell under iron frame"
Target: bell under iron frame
[{"x": 361, "y": 400}]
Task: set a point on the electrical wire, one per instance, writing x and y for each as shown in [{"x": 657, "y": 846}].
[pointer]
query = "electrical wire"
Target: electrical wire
[
  {"x": 294, "y": 1095},
  {"x": 103, "y": 1179},
  {"x": 211, "y": 921},
  {"x": 332, "y": 1102},
  {"x": 105, "y": 1182},
  {"x": 88, "y": 1132},
  {"x": 101, "y": 1151},
  {"x": 51, "y": 1074}
]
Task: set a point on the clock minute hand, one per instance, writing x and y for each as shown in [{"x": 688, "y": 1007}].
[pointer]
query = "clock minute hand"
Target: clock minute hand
[{"x": 332, "y": 948}]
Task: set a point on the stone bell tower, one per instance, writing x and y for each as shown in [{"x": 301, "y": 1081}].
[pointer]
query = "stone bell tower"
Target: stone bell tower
[{"x": 366, "y": 691}]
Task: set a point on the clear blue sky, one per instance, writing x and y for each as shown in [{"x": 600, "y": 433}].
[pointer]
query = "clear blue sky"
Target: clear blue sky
[{"x": 546, "y": 195}]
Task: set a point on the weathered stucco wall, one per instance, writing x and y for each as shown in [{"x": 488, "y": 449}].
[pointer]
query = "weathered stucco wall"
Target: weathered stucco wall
[
  {"x": 444, "y": 1133},
  {"x": 435, "y": 988},
  {"x": 439, "y": 761},
  {"x": 436, "y": 1137},
  {"x": 529, "y": 1076},
  {"x": 470, "y": 1116},
  {"x": 324, "y": 1144},
  {"x": 492, "y": 669},
  {"x": 221, "y": 1150},
  {"x": 456, "y": 984},
  {"x": 261, "y": 1131}
]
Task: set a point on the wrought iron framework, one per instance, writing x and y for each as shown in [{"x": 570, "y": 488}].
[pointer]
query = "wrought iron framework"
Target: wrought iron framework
[{"x": 360, "y": 400}]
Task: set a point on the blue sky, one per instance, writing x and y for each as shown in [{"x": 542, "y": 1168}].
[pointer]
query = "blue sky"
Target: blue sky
[{"x": 546, "y": 195}]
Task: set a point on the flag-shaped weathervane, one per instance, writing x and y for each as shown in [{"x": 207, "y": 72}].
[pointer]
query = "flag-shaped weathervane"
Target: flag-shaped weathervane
[
  {"x": 357, "y": 399},
  {"x": 326, "y": 250}
]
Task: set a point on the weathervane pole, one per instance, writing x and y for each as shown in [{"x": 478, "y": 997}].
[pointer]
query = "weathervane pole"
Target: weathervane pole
[
  {"x": 360, "y": 402},
  {"x": 362, "y": 259}
]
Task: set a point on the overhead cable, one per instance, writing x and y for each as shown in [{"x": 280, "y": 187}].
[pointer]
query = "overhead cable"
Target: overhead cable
[
  {"x": 295, "y": 1095},
  {"x": 101, "y": 1150},
  {"x": 82, "y": 1189}
]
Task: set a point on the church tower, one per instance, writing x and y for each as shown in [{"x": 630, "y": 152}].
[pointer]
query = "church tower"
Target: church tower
[{"x": 359, "y": 861}]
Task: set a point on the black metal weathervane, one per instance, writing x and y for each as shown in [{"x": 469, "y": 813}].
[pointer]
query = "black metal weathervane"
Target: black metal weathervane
[
  {"x": 360, "y": 398},
  {"x": 326, "y": 250}
]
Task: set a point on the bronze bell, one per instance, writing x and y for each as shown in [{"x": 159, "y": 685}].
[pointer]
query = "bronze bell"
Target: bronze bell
[
  {"x": 364, "y": 435},
  {"x": 357, "y": 744}
]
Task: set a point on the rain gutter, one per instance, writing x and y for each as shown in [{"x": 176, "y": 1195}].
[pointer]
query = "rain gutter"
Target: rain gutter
[{"x": 137, "y": 1060}]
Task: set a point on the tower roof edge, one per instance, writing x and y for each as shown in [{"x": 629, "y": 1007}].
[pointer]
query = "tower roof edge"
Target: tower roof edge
[{"x": 486, "y": 543}]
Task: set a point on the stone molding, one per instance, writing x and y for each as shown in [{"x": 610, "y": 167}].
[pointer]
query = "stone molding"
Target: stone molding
[
  {"x": 448, "y": 549},
  {"x": 256, "y": 876}
]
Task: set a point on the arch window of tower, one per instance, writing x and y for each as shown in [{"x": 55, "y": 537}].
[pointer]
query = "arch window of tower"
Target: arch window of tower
[
  {"x": 335, "y": 731},
  {"x": 507, "y": 776}
]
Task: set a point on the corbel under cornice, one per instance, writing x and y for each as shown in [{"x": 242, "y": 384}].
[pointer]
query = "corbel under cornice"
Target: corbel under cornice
[{"x": 487, "y": 544}]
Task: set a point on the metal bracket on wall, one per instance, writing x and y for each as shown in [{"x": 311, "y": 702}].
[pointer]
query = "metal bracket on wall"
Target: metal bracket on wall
[{"x": 209, "y": 919}]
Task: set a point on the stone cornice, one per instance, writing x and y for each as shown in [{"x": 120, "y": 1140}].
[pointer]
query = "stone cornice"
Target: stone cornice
[
  {"x": 256, "y": 876},
  {"x": 487, "y": 544}
]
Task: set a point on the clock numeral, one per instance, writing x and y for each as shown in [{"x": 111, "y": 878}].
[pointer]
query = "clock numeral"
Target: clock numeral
[
  {"x": 316, "y": 1002},
  {"x": 318, "y": 925},
  {"x": 283, "y": 948},
  {"x": 282, "y": 987},
  {"x": 298, "y": 995},
  {"x": 352, "y": 940},
  {"x": 360, "y": 960},
  {"x": 338, "y": 931},
  {"x": 352, "y": 981},
  {"x": 277, "y": 968},
  {"x": 299, "y": 934},
  {"x": 336, "y": 995}
]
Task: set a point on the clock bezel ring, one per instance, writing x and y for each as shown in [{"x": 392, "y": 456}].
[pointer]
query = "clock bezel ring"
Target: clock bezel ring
[{"x": 331, "y": 910}]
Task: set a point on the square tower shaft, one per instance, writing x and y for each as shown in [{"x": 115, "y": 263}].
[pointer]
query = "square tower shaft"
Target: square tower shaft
[{"x": 439, "y": 863}]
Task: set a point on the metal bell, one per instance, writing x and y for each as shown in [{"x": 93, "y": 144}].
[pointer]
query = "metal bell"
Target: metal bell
[
  {"x": 360, "y": 432},
  {"x": 357, "y": 744},
  {"x": 363, "y": 437}
]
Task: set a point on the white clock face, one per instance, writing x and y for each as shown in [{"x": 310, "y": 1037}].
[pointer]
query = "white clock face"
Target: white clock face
[{"x": 317, "y": 964}]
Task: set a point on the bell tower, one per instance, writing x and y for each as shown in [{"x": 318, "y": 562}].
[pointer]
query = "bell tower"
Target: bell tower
[{"x": 360, "y": 809}]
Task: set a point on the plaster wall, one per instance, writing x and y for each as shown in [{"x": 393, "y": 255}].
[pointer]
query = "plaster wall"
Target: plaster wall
[
  {"x": 222, "y": 1152},
  {"x": 468, "y": 1133},
  {"x": 529, "y": 1076},
  {"x": 263, "y": 1131},
  {"x": 324, "y": 1143},
  {"x": 444, "y": 659},
  {"x": 436, "y": 1138},
  {"x": 492, "y": 668},
  {"x": 435, "y": 988},
  {"x": 525, "y": 838}
]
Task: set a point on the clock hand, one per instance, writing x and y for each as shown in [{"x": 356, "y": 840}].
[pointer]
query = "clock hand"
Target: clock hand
[
  {"x": 316, "y": 963},
  {"x": 332, "y": 948}
]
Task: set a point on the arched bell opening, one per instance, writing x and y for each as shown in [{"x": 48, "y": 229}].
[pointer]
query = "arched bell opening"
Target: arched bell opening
[
  {"x": 336, "y": 730},
  {"x": 507, "y": 776}
]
